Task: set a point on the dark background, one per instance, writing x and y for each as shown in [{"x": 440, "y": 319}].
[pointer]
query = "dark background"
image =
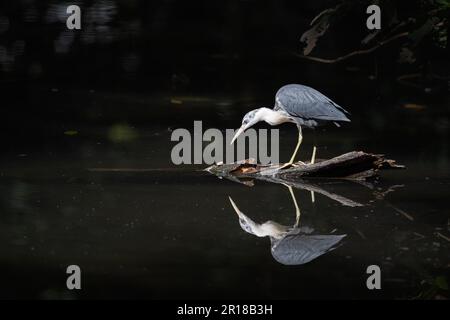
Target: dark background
[
  {"x": 238, "y": 49},
  {"x": 110, "y": 94}
]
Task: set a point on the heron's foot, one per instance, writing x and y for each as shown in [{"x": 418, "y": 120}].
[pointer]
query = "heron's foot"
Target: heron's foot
[
  {"x": 292, "y": 164},
  {"x": 286, "y": 165}
]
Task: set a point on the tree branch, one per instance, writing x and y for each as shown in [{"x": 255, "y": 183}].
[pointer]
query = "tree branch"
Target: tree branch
[{"x": 354, "y": 53}]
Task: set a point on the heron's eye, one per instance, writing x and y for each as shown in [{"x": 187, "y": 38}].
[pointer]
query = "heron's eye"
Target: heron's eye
[{"x": 245, "y": 121}]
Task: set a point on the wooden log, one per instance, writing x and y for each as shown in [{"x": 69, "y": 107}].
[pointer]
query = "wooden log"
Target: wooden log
[{"x": 355, "y": 165}]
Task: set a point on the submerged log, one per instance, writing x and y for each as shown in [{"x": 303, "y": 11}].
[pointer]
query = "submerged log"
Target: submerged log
[{"x": 355, "y": 165}]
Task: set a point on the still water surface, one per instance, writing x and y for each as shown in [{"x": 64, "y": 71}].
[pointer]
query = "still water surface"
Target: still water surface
[{"x": 139, "y": 226}]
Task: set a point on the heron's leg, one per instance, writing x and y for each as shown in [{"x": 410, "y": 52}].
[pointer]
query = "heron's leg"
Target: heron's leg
[
  {"x": 297, "y": 209},
  {"x": 299, "y": 142},
  {"x": 313, "y": 157}
]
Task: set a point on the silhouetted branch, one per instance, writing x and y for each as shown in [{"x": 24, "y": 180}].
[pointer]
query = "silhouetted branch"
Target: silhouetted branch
[{"x": 354, "y": 53}]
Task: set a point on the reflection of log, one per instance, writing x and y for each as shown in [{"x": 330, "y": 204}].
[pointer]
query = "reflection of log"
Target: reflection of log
[
  {"x": 307, "y": 185},
  {"x": 355, "y": 165}
]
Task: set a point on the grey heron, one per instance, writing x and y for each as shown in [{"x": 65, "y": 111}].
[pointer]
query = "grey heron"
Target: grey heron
[{"x": 299, "y": 104}]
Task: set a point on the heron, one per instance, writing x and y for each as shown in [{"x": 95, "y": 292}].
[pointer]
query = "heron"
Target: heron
[{"x": 299, "y": 104}]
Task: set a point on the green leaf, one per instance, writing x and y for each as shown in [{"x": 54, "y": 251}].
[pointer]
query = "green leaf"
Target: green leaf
[{"x": 443, "y": 3}]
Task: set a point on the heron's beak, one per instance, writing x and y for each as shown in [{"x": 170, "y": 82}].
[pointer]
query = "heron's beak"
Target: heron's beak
[
  {"x": 238, "y": 133},
  {"x": 238, "y": 212}
]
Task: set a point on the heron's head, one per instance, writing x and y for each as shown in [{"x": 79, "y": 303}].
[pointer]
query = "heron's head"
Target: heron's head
[
  {"x": 247, "y": 224},
  {"x": 268, "y": 228},
  {"x": 249, "y": 120}
]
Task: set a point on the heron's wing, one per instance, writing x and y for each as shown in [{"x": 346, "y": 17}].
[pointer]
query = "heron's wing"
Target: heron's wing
[
  {"x": 300, "y": 249},
  {"x": 308, "y": 103}
]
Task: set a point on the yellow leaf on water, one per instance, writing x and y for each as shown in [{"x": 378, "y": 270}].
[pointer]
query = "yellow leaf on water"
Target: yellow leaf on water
[
  {"x": 176, "y": 101},
  {"x": 413, "y": 106}
]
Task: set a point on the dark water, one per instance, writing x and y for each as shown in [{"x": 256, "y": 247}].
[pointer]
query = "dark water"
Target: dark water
[{"x": 106, "y": 197}]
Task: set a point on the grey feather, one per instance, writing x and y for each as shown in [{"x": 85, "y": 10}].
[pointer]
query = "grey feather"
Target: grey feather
[
  {"x": 308, "y": 106},
  {"x": 297, "y": 249}
]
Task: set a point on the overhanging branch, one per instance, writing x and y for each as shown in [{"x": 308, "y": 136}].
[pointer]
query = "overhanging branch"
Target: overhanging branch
[{"x": 354, "y": 53}]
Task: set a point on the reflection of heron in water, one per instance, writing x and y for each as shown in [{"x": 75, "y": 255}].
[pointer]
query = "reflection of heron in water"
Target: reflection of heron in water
[{"x": 290, "y": 245}]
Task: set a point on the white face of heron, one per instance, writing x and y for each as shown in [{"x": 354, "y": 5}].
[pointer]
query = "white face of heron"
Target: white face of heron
[
  {"x": 249, "y": 120},
  {"x": 268, "y": 228}
]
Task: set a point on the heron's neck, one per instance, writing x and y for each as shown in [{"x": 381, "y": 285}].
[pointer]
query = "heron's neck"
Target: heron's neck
[
  {"x": 268, "y": 228},
  {"x": 272, "y": 117}
]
